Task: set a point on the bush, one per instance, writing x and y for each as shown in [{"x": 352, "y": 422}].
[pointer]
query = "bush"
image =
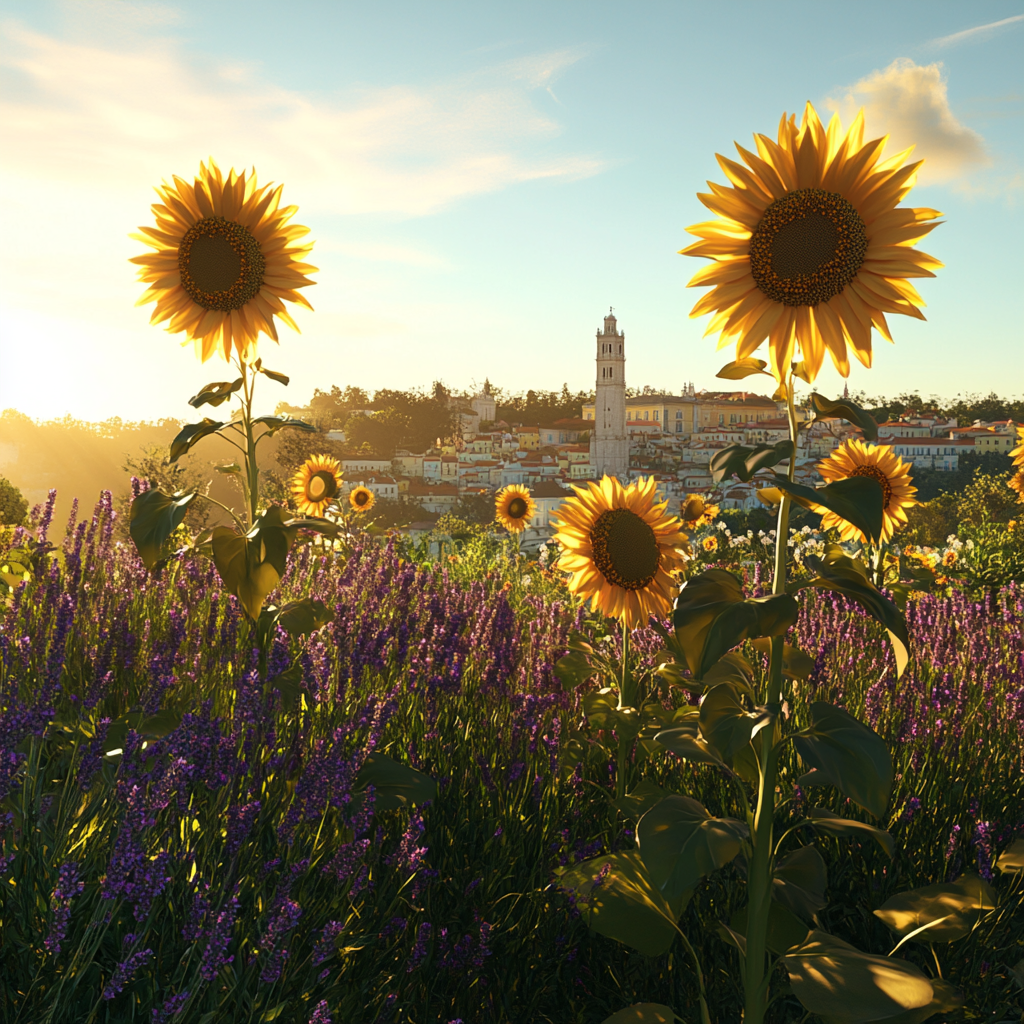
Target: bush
[{"x": 13, "y": 506}]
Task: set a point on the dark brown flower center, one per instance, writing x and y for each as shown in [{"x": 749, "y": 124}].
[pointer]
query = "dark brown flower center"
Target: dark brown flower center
[
  {"x": 321, "y": 487},
  {"x": 362, "y": 497},
  {"x": 876, "y": 474},
  {"x": 220, "y": 264},
  {"x": 516, "y": 508},
  {"x": 625, "y": 549},
  {"x": 807, "y": 248}
]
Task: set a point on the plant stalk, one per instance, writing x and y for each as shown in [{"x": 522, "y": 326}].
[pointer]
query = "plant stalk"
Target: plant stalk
[
  {"x": 759, "y": 873},
  {"x": 252, "y": 473},
  {"x": 627, "y": 699}
]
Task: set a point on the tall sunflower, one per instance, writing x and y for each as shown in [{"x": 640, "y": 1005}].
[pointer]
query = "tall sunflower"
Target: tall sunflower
[
  {"x": 881, "y": 463},
  {"x": 811, "y": 247},
  {"x": 315, "y": 484},
  {"x": 361, "y": 499},
  {"x": 225, "y": 261},
  {"x": 696, "y": 513},
  {"x": 514, "y": 508},
  {"x": 621, "y": 549},
  {"x": 1017, "y": 480}
]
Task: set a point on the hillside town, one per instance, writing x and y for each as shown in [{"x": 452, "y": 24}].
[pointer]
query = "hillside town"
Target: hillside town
[{"x": 669, "y": 436}]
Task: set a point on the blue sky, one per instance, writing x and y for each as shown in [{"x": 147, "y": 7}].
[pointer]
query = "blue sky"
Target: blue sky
[{"x": 482, "y": 180}]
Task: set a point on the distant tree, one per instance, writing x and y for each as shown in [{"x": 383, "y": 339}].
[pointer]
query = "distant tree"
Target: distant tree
[
  {"x": 383, "y": 432},
  {"x": 476, "y": 508},
  {"x": 13, "y": 506},
  {"x": 152, "y": 464}
]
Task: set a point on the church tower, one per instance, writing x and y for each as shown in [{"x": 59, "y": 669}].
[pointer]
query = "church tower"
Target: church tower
[{"x": 609, "y": 446}]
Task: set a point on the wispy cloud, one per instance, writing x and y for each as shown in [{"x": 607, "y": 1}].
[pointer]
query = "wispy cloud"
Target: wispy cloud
[
  {"x": 109, "y": 119},
  {"x": 909, "y": 102},
  {"x": 976, "y": 34}
]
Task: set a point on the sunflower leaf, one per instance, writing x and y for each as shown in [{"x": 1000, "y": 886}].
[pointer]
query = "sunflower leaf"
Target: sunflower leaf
[
  {"x": 825, "y": 821},
  {"x": 857, "y": 499},
  {"x": 215, "y": 393},
  {"x": 276, "y": 423},
  {"x": 951, "y": 909},
  {"x": 785, "y": 929},
  {"x": 619, "y": 900},
  {"x": 191, "y": 434},
  {"x": 799, "y": 881},
  {"x": 642, "y": 1013},
  {"x": 396, "y": 785},
  {"x": 838, "y": 982},
  {"x": 847, "y": 410},
  {"x": 274, "y": 375},
  {"x": 848, "y": 576},
  {"x": 740, "y": 368},
  {"x": 680, "y": 843},
  {"x": 745, "y": 462},
  {"x": 711, "y": 617},
  {"x": 154, "y": 517},
  {"x": 299, "y": 618},
  {"x": 844, "y": 752}
]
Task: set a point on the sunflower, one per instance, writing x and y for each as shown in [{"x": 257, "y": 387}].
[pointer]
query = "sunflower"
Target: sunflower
[
  {"x": 621, "y": 549},
  {"x": 361, "y": 499},
  {"x": 225, "y": 260},
  {"x": 811, "y": 247},
  {"x": 881, "y": 463},
  {"x": 1017, "y": 480},
  {"x": 315, "y": 484},
  {"x": 514, "y": 508},
  {"x": 696, "y": 513}
]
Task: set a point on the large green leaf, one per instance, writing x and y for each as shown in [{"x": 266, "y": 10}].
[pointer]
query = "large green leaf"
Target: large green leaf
[
  {"x": 1011, "y": 860},
  {"x": 687, "y": 742},
  {"x": 281, "y": 378},
  {"x": 251, "y": 565},
  {"x": 680, "y": 843},
  {"x": 640, "y": 799},
  {"x": 857, "y": 499},
  {"x": 951, "y": 909},
  {"x": 191, "y": 434},
  {"x": 395, "y": 785},
  {"x": 573, "y": 669},
  {"x": 215, "y": 393},
  {"x": 785, "y": 929},
  {"x": 154, "y": 517},
  {"x": 825, "y": 821},
  {"x": 844, "y": 752},
  {"x": 298, "y": 618},
  {"x": 642, "y": 1013},
  {"x": 848, "y": 576},
  {"x": 795, "y": 664},
  {"x": 276, "y": 423},
  {"x": 725, "y": 723},
  {"x": 746, "y": 462},
  {"x": 623, "y": 904},
  {"x": 799, "y": 881},
  {"x": 711, "y": 617},
  {"x": 841, "y": 984},
  {"x": 845, "y": 409},
  {"x": 740, "y": 368}
]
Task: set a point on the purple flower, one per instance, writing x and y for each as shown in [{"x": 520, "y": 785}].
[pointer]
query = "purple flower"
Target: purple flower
[
  {"x": 419, "y": 950},
  {"x": 219, "y": 936},
  {"x": 320, "y": 1014},
  {"x": 67, "y": 888},
  {"x": 325, "y": 946},
  {"x": 125, "y": 971},
  {"x": 284, "y": 919},
  {"x": 171, "y": 1007}
]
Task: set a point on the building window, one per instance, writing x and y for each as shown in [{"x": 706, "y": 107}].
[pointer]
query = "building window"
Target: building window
[
  {"x": 679, "y": 428},
  {"x": 647, "y": 415},
  {"x": 721, "y": 418},
  {"x": 679, "y": 414},
  {"x": 655, "y": 413}
]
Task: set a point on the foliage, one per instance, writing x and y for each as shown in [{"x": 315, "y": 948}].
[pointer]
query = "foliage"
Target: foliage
[
  {"x": 980, "y": 500},
  {"x": 13, "y": 506},
  {"x": 448, "y": 668},
  {"x": 540, "y": 407}
]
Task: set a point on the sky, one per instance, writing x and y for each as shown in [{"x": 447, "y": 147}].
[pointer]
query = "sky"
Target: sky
[{"x": 482, "y": 181}]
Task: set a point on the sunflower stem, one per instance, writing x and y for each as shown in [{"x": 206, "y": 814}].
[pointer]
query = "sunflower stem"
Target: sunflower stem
[
  {"x": 252, "y": 473},
  {"x": 626, "y": 700},
  {"x": 759, "y": 876}
]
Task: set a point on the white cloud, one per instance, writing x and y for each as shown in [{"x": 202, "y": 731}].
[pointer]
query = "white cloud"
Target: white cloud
[
  {"x": 116, "y": 119},
  {"x": 909, "y": 102},
  {"x": 976, "y": 34}
]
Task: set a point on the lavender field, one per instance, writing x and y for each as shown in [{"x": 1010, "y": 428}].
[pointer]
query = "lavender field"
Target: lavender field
[{"x": 181, "y": 841}]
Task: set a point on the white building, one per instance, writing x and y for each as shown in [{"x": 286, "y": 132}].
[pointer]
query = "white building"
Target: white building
[{"x": 609, "y": 444}]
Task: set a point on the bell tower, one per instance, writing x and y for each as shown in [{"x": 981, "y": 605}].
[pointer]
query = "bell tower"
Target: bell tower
[{"x": 609, "y": 446}]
